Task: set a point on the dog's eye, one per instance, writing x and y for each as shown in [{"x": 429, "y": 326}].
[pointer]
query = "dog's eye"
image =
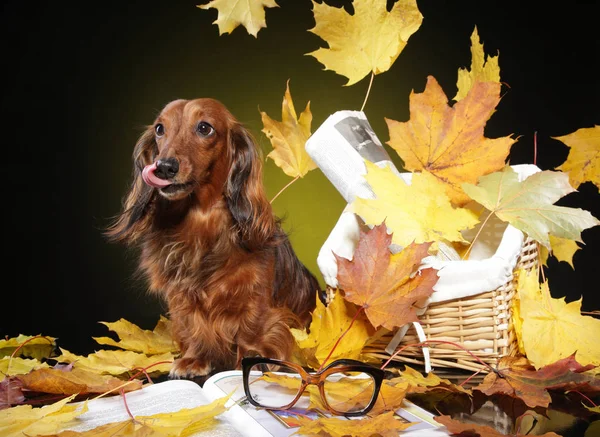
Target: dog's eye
[
  {"x": 159, "y": 129},
  {"x": 205, "y": 129}
]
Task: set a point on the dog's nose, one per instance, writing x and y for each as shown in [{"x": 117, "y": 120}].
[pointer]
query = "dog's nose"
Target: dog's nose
[{"x": 166, "y": 168}]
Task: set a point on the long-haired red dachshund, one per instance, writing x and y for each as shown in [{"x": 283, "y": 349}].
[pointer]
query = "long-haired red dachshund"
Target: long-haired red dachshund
[{"x": 210, "y": 244}]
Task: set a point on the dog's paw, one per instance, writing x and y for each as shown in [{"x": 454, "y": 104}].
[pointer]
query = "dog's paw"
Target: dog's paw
[{"x": 189, "y": 368}]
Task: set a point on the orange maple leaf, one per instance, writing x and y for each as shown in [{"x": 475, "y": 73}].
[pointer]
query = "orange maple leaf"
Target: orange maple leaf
[
  {"x": 516, "y": 377},
  {"x": 384, "y": 284},
  {"x": 449, "y": 142}
]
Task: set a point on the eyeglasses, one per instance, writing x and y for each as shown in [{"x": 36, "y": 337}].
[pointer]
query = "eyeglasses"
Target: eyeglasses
[{"x": 347, "y": 387}]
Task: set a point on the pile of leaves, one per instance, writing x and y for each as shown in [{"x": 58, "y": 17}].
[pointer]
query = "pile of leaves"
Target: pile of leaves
[{"x": 461, "y": 179}]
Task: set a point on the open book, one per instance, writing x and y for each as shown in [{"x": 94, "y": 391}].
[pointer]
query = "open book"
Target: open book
[{"x": 241, "y": 420}]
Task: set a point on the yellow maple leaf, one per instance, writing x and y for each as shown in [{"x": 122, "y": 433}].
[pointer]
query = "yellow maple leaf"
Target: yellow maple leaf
[
  {"x": 118, "y": 362},
  {"x": 288, "y": 137},
  {"x": 327, "y": 325},
  {"x": 553, "y": 329},
  {"x": 19, "y": 366},
  {"x": 133, "y": 338},
  {"x": 420, "y": 212},
  {"x": 583, "y": 161},
  {"x": 39, "y": 346},
  {"x": 368, "y": 41},
  {"x": 563, "y": 249},
  {"x": 482, "y": 69},
  {"x": 528, "y": 205},
  {"x": 384, "y": 425},
  {"x": 449, "y": 142},
  {"x": 248, "y": 13},
  {"x": 24, "y": 420}
]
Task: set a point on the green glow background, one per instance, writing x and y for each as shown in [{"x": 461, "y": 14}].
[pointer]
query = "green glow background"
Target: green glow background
[{"x": 84, "y": 79}]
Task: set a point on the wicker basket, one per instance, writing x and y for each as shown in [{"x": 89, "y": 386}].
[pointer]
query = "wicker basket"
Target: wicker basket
[{"x": 481, "y": 324}]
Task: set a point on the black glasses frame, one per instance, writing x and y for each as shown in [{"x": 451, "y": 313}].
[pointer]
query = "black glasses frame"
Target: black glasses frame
[{"x": 316, "y": 378}]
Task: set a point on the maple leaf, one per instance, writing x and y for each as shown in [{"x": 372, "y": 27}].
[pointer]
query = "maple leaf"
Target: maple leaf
[
  {"x": 583, "y": 161},
  {"x": 419, "y": 212},
  {"x": 449, "y": 142},
  {"x": 420, "y": 384},
  {"x": 19, "y": 366},
  {"x": 76, "y": 381},
  {"x": 327, "y": 325},
  {"x": 24, "y": 420},
  {"x": 382, "y": 283},
  {"x": 552, "y": 328},
  {"x": 528, "y": 205},
  {"x": 288, "y": 138},
  {"x": 117, "y": 362},
  {"x": 368, "y": 41},
  {"x": 133, "y": 338},
  {"x": 474, "y": 430},
  {"x": 483, "y": 68},
  {"x": 186, "y": 421},
  {"x": 563, "y": 249},
  {"x": 516, "y": 377},
  {"x": 384, "y": 425},
  {"x": 248, "y": 13},
  {"x": 37, "y": 347}
]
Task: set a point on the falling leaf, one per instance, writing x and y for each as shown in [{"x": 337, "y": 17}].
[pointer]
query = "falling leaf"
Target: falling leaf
[
  {"x": 583, "y": 161},
  {"x": 528, "y": 205},
  {"x": 248, "y": 13},
  {"x": 474, "y": 430},
  {"x": 382, "y": 283},
  {"x": 552, "y": 328},
  {"x": 483, "y": 68},
  {"x": 419, "y": 212},
  {"x": 77, "y": 381},
  {"x": 449, "y": 142},
  {"x": 38, "y": 347},
  {"x": 19, "y": 366},
  {"x": 368, "y": 41},
  {"x": 288, "y": 138},
  {"x": 384, "y": 425},
  {"x": 516, "y": 377},
  {"x": 11, "y": 393},
  {"x": 24, "y": 420},
  {"x": 118, "y": 362},
  {"x": 563, "y": 249},
  {"x": 133, "y": 338},
  {"x": 327, "y": 325}
]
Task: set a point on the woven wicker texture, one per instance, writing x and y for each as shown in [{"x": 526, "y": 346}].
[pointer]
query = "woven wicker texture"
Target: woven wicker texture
[{"x": 481, "y": 324}]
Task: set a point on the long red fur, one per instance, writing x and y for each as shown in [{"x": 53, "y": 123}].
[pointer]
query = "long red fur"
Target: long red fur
[{"x": 210, "y": 244}]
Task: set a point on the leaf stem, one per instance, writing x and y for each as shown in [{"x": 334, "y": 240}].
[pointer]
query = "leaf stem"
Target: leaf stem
[
  {"x": 368, "y": 91},
  {"x": 281, "y": 191},
  {"x": 341, "y": 336},
  {"x": 477, "y": 235}
]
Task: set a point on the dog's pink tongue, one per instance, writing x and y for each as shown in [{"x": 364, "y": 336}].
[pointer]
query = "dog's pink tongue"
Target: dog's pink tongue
[{"x": 152, "y": 180}]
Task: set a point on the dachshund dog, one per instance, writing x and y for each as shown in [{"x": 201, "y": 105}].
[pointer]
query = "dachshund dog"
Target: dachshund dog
[{"x": 209, "y": 242}]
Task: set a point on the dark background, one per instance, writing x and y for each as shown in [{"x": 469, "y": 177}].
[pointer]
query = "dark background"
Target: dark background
[{"x": 82, "y": 79}]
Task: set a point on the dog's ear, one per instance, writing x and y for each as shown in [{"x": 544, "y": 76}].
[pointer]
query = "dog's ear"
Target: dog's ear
[
  {"x": 130, "y": 223},
  {"x": 244, "y": 192}
]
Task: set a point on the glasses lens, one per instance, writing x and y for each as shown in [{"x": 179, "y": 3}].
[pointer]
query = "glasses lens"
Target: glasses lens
[
  {"x": 273, "y": 386},
  {"x": 349, "y": 392}
]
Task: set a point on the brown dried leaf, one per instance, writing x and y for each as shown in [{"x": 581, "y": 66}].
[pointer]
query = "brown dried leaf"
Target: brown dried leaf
[{"x": 381, "y": 282}]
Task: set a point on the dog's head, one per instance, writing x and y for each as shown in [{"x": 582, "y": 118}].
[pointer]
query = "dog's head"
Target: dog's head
[{"x": 196, "y": 152}]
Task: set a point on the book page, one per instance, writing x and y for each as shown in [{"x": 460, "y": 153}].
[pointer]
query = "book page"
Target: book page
[
  {"x": 262, "y": 423},
  {"x": 163, "y": 397}
]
